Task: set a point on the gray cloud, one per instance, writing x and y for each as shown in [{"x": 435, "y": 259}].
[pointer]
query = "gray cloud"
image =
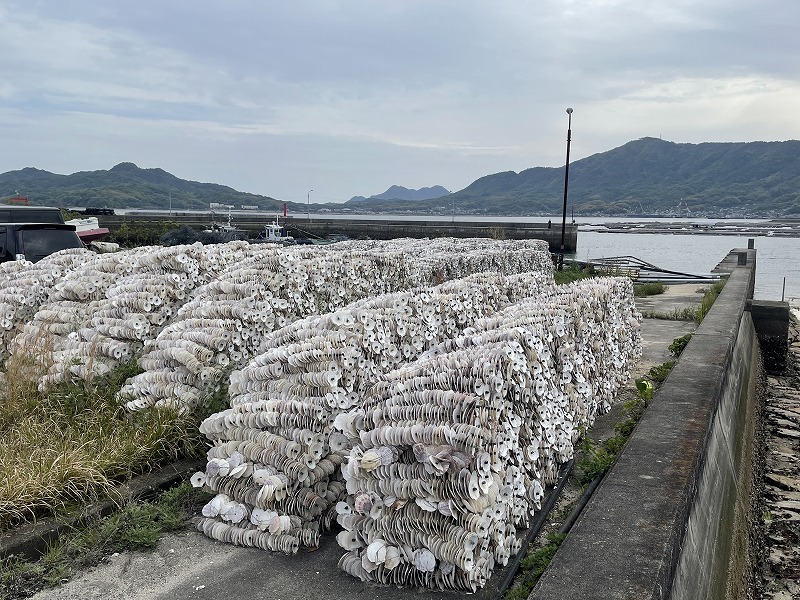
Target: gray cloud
[{"x": 349, "y": 97}]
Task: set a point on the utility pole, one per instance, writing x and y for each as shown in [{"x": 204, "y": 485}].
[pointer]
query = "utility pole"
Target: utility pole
[{"x": 566, "y": 183}]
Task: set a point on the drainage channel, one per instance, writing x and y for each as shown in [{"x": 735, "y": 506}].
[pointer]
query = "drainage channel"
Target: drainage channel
[{"x": 536, "y": 528}]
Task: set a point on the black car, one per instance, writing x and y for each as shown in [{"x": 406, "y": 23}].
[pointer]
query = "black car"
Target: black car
[
  {"x": 30, "y": 214},
  {"x": 34, "y": 241}
]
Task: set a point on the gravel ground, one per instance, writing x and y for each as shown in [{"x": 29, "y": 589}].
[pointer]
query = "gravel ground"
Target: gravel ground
[{"x": 780, "y": 572}]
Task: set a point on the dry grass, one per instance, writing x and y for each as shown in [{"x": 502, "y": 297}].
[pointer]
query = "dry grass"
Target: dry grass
[{"x": 74, "y": 444}]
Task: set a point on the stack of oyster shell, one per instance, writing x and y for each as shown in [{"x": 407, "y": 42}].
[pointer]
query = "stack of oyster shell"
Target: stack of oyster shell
[
  {"x": 227, "y": 321},
  {"x": 25, "y": 286},
  {"x": 84, "y": 313},
  {"x": 277, "y": 451},
  {"x": 102, "y": 311},
  {"x": 456, "y": 447},
  {"x": 292, "y": 420}
]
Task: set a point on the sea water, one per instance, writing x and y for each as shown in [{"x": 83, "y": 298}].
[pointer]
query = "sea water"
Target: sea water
[{"x": 777, "y": 259}]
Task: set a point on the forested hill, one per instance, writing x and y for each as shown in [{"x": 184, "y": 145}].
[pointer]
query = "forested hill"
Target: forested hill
[
  {"x": 124, "y": 186},
  {"x": 648, "y": 176},
  {"x": 653, "y": 176}
]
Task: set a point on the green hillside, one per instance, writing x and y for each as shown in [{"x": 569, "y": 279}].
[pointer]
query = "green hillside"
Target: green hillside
[
  {"x": 648, "y": 176},
  {"x": 124, "y": 186}
]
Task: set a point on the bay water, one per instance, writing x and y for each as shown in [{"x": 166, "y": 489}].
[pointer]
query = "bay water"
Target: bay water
[
  {"x": 697, "y": 252},
  {"x": 777, "y": 258}
]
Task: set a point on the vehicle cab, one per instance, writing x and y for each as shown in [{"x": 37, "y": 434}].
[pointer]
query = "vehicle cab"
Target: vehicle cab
[
  {"x": 30, "y": 214},
  {"x": 34, "y": 241}
]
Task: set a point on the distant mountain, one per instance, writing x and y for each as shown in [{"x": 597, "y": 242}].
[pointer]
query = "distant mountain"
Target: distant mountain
[
  {"x": 398, "y": 192},
  {"x": 648, "y": 176},
  {"x": 124, "y": 186}
]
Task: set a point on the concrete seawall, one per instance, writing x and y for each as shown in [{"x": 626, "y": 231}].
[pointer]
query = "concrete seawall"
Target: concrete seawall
[
  {"x": 671, "y": 519},
  {"x": 376, "y": 229},
  {"x": 389, "y": 229}
]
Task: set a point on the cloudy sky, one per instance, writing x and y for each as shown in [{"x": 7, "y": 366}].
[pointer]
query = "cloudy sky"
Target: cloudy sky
[{"x": 347, "y": 97}]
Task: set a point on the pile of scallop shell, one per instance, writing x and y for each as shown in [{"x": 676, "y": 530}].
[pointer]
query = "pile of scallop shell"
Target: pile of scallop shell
[
  {"x": 465, "y": 255},
  {"x": 79, "y": 313},
  {"x": 276, "y": 451},
  {"x": 100, "y": 312},
  {"x": 446, "y": 414},
  {"x": 227, "y": 320},
  {"x": 24, "y": 286},
  {"x": 455, "y": 449}
]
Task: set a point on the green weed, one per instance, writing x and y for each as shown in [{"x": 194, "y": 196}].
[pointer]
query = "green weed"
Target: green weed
[
  {"x": 138, "y": 526},
  {"x": 709, "y": 297},
  {"x": 533, "y": 566},
  {"x": 598, "y": 458},
  {"x": 653, "y": 288},
  {"x": 572, "y": 272},
  {"x": 659, "y": 373},
  {"x": 679, "y": 343}
]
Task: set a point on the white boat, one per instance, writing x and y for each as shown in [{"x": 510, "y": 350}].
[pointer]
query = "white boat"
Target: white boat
[
  {"x": 88, "y": 229},
  {"x": 276, "y": 234}
]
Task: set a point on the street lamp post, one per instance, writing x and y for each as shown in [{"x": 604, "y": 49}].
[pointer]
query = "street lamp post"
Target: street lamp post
[
  {"x": 566, "y": 183},
  {"x": 308, "y": 204}
]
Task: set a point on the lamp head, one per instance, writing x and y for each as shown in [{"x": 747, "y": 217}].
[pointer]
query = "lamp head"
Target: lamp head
[{"x": 569, "y": 111}]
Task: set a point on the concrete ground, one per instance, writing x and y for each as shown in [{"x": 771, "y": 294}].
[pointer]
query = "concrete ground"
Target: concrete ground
[
  {"x": 188, "y": 565},
  {"x": 658, "y": 334}
]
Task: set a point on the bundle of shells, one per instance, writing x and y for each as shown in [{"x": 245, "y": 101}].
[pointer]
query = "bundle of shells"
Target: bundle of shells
[
  {"x": 455, "y": 449},
  {"x": 101, "y": 313},
  {"x": 70, "y": 299},
  {"x": 25, "y": 286},
  {"x": 451, "y": 258},
  {"x": 224, "y": 324},
  {"x": 227, "y": 320},
  {"x": 276, "y": 454},
  {"x": 84, "y": 313}
]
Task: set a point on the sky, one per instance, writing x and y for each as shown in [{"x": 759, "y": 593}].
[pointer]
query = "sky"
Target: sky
[{"x": 322, "y": 100}]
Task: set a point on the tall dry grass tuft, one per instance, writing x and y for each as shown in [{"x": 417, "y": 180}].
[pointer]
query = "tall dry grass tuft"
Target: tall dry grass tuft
[
  {"x": 23, "y": 370},
  {"x": 497, "y": 233},
  {"x": 73, "y": 444}
]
